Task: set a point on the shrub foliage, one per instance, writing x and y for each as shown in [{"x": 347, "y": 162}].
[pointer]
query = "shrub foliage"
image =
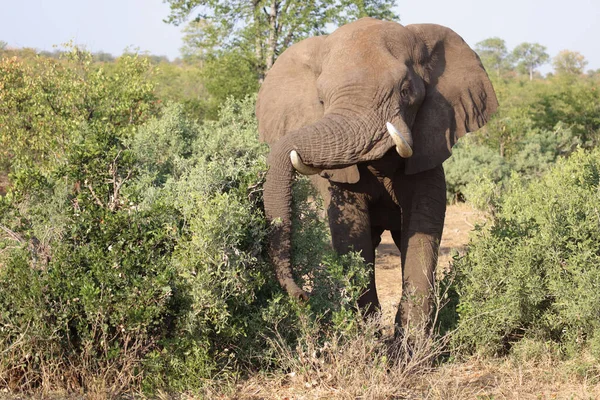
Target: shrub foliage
[
  {"x": 132, "y": 237},
  {"x": 535, "y": 271},
  {"x": 132, "y": 251},
  {"x": 536, "y": 123}
]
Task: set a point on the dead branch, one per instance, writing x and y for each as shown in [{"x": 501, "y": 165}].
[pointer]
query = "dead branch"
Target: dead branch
[
  {"x": 13, "y": 235},
  {"x": 91, "y": 189}
]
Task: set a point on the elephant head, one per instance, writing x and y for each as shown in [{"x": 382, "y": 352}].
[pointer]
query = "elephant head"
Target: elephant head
[{"x": 331, "y": 102}]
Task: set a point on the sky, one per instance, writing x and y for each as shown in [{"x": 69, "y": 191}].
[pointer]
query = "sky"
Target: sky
[{"x": 115, "y": 25}]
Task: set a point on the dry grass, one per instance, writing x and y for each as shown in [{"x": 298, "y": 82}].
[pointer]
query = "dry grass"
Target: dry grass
[
  {"x": 53, "y": 374},
  {"x": 360, "y": 365},
  {"x": 509, "y": 379},
  {"x": 356, "y": 363},
  {"x": 356, "y": 372}
]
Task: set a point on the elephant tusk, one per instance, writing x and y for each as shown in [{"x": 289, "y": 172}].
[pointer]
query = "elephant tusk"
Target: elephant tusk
[
  {"x": 300, "y": 166},
  {"x": 403, "y": 140}
]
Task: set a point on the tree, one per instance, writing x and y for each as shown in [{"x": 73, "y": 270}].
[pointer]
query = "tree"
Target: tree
[
  {"x": 593, "y": 73},
  {"x": 267, "y": 27},
  {"x": 529, "y": 56},
  {"x": 493, "y": 54},
  {"x": 225, "y": 71},
  {"x": 197, "y": 41},
  {"x": 569, "y": 62},
  {"x": 3, "y": 45}
]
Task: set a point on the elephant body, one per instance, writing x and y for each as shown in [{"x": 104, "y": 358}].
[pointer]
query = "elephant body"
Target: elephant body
[{"x": 371, "y": 112}]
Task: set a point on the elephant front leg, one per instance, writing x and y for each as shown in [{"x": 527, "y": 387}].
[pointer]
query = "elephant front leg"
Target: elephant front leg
[
  {"x": 351, "y": 230},
  {"x": 419, "y": 258},
  {"x": 424, "y": 209}
]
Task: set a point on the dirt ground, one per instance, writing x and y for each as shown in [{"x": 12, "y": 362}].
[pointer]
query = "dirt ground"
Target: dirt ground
[{"x": 460, "y": 221}]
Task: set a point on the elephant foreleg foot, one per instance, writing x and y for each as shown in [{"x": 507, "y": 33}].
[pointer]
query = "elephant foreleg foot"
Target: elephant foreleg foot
[{"x": 419, "y": 262}]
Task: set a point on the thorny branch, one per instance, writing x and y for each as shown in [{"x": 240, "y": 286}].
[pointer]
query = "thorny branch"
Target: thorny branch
[
  {"x": 116, "y": 183},
  {"x": 13, "y": 235},
  {"x": 91, "y": 189}
]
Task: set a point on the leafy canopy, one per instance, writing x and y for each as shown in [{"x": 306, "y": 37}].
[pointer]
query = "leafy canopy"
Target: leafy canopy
[
  {"x": 237, "y": 41},
  {"x": 265, "y": 28},
  {"x": 569, "y": 62},
  {"x": 529, "y": 56},
  {"x": 493, "y": 54}
]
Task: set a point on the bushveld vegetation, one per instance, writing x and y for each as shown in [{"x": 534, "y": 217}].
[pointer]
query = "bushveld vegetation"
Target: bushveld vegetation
[{"x": 132, "y": 237}]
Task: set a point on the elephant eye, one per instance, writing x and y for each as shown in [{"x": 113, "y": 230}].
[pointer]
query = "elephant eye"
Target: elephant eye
[{"x": 405, "y": 93}]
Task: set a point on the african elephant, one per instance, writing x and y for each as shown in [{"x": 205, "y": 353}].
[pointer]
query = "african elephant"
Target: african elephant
[{"x": 371, "y": 111}]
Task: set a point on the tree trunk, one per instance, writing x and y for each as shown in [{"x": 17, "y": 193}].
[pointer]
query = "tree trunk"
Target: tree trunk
[
  {"x": 530, "y": 74},
  {"x": 272, "y": 44},
  {"x": 260, "y": 71}
]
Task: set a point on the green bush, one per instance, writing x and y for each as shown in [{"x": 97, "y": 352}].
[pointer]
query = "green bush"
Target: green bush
[
  {"x": 235, "y": 305},
  {"x": 540, "y": 148},
  {"x": 88, "y": 286},
  {"x": 573, "y": 101},
  {"x": 536, "y": 123},
  {"x": 470, "y": 162},
  {"x": 535, "y": 271},
  {"x": 137, "y": 260},
  {"x": 46, "y": 104},
  {"x": 473, "y": 163}
]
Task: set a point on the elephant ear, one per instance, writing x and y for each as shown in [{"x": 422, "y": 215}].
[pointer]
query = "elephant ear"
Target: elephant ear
[
  {"x": 288, "y": 98},
  {"x": 460, "y": 97}
]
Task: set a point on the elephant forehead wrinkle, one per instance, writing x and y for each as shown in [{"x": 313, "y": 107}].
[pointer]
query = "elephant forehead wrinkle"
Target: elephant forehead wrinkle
[
  {"x": 374, "y": 72},
  {"x": 358, "y": 54}
]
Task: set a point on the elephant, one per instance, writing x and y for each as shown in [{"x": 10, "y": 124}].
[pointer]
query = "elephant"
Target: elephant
[{"x": 370, "y": 112}]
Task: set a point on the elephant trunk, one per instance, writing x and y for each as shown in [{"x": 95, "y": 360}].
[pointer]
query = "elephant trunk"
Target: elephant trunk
[
  {"x": 398, "y": 130},
  {"x": 338, "y": 140},
  {"x": 335, "y": 141},
  {"x": 278, "y": 203}
]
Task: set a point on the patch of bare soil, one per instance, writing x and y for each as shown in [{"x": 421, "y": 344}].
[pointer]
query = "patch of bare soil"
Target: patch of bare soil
[{"x": 460, "y": 221}]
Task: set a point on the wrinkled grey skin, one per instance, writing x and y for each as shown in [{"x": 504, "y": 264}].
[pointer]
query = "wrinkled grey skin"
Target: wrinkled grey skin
[{"x": 328, "y": 99}]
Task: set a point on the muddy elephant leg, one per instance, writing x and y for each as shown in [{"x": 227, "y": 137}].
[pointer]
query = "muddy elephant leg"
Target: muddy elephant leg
[
  {"x": 348, "y": 214},
  {"x": 423, "y": 198}
]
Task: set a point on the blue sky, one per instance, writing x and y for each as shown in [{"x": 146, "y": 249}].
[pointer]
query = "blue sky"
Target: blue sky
[{"x": 113, "y": 25}]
